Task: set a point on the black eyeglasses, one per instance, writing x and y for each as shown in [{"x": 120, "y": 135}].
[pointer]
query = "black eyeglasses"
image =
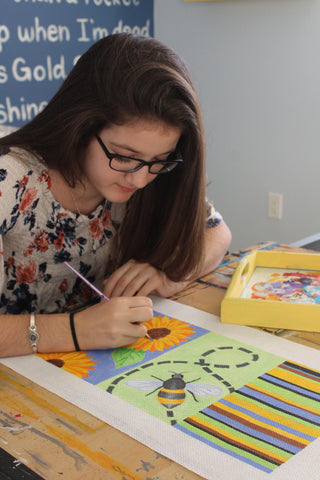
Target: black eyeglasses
[{"x": 122, "y": 163}]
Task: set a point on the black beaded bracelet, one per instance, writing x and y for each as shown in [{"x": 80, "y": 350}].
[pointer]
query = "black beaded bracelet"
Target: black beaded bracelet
[{"x": 73, "y": 332}]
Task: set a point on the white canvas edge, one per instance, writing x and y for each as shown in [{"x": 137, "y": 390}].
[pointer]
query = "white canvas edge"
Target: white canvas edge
[{"x": 207, "y": 462}]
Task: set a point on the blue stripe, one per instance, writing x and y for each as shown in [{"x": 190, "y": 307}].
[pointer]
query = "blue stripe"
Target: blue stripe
[
  {"x": 249, "y": 461},
  {"x": 295, "y": 411},
  {"x": 269, "y": 439},
  {"x": 268, "y": 421},
  {"x": 301, "y": 370},
  {"x": 291, "y": 386}
]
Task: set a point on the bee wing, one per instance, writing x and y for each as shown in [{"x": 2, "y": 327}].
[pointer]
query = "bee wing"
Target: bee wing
[
  {"x": 203, "y": 389},
  {"x": 144, "y": 385}
]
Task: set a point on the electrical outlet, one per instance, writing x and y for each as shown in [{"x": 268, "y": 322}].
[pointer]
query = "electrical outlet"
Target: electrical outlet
[{"x": 275, "y": 205}]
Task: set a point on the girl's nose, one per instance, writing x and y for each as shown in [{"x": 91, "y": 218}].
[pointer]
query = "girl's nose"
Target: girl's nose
[{"x": 140, "y": 178}]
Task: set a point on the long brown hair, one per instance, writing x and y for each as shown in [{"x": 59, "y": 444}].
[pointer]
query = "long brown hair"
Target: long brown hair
[{"x": 120, "y": 78}]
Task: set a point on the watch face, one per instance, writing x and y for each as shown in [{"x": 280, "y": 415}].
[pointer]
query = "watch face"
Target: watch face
[{"x": 33, "y": 337}]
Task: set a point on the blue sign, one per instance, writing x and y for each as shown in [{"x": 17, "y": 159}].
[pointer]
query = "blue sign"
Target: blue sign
[{"x": 41, "y": 40}]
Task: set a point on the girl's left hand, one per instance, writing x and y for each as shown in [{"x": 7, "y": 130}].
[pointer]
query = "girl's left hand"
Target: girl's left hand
[{"x": 134, "y": 278}]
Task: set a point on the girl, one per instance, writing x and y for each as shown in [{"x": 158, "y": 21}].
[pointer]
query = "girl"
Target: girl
[{"x": 109, "y": 177}]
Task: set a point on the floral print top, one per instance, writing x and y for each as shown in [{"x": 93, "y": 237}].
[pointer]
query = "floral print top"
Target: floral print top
[{"x": 37, "y": 234}]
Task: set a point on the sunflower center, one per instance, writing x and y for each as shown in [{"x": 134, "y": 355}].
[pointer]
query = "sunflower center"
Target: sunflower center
[
  {"x": 156, "y": 333},
  {"x": 58, "y": 362}
]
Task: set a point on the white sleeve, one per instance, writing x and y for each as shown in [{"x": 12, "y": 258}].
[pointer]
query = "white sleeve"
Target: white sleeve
[{"x": 213, "y": 217}]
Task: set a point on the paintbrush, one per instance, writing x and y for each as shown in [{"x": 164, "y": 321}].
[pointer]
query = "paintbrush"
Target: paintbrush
[{"x": 95, "y": 289}]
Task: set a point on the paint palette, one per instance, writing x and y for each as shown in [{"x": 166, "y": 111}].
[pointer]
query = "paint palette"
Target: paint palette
[{"x": 275, "y": 289}]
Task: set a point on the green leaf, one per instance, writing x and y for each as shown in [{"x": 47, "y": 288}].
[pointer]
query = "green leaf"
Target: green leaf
[{"x": 127, "y": 356}]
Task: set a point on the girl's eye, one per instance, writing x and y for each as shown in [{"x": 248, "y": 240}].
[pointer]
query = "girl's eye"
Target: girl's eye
[{"x": 122, "y": 159}]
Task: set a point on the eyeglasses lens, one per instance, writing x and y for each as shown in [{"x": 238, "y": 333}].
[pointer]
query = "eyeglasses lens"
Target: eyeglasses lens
[{"x": 131, "y": 165}]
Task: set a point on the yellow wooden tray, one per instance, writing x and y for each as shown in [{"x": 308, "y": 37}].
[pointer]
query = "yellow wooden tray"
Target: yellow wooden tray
[{"x": 269, "y": 312}]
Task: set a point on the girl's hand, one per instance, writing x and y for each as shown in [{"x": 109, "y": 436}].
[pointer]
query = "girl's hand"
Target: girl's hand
[
  {"x": 134, "y": 278},
  {"x": 112, "y": 324}
]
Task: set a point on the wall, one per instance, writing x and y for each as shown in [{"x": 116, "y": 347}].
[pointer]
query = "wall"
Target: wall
[
  {"x": 256, "y": 65},
  {"x": 40, "y": 41}
]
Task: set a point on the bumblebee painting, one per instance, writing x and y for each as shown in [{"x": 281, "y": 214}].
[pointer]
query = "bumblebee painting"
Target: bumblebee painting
[{"x": 172, "y": 392}]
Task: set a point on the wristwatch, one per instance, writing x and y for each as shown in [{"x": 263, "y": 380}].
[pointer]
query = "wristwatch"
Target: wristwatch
[{"x": 33, "y": 335}]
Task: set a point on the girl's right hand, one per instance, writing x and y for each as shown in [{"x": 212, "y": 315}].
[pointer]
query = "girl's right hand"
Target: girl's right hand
[{"x": 112, "y": 324}]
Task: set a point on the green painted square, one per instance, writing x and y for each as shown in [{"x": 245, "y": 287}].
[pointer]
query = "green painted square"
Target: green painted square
[{"x": 210, "y": 367}]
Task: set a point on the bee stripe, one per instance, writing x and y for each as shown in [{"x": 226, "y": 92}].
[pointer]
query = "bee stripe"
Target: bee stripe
[
  {"x": 175, "y": 394},
  {"x": 169, "y": 402}
]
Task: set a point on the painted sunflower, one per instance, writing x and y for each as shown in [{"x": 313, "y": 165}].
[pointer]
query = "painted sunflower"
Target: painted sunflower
[
  {"x": 77, "y": 363},
  {"x": 165, "y": 333}
]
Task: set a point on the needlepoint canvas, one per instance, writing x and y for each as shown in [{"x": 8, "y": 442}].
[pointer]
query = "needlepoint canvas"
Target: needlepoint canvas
[{"x": 241, "y": 405}]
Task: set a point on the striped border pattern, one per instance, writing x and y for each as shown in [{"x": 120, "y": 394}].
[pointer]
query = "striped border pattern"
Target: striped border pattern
[{"x": 265, "y": 422}]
